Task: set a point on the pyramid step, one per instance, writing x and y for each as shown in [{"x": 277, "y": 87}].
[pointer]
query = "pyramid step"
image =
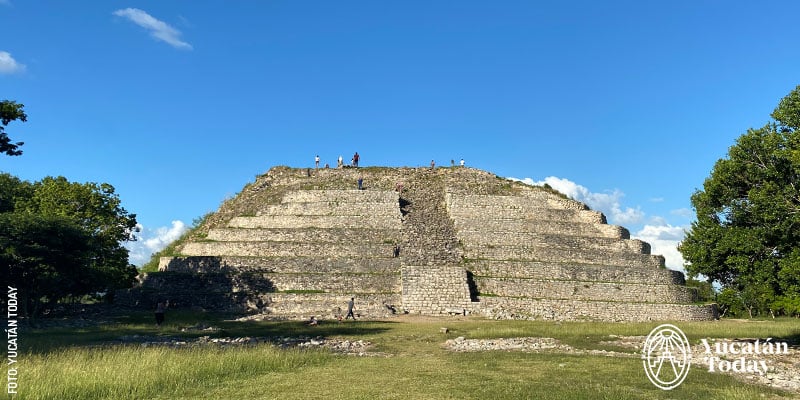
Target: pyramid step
[
  {"x": 335, "y": 282},
  {"x": 472, "y": 239},
  {"x": 328, "y": 306},
  {"x": 319, "y": 235},
  {"x": 574, "y": 271},
  {"x": 288, "y": 249},
  {"x": 584, "y": 310},
  {"x": 318, "y": 221},
  {"x": 334, "y": 208},
  {"x": 529, "y": 199},
  {"x": 342, "y": 196},
  {"x": 576, "y": 255},
  {"x": 315, "y": 263},
  {"x": 586, "y": 290},
  {"x": 541, "y": 226},
  {"x": 543, "y": 214}
]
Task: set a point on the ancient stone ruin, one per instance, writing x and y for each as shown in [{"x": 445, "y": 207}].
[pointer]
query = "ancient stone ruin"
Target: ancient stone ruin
[{"x": 300, "y": 242}]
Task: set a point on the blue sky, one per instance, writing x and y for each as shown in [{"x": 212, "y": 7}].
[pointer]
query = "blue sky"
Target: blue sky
[{"x": 625, "y": 105}]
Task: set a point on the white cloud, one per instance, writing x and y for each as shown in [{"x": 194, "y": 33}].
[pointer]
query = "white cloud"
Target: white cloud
[
  {"x": 8, "y": 65},
  {"x": 607, "y": 203},
  {"x": 664, "y": 240},
  {"x": 157, "y": 28},
  {"x": 150, "y": 241}
]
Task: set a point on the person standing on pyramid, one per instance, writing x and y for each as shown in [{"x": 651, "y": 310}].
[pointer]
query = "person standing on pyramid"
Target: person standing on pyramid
[{"x": 355, "y": 159}]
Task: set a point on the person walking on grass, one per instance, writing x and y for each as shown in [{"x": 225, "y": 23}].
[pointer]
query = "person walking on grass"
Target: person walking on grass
[
  {"x": 161, "y": 307},
  {"x": 350, "y": 305}
]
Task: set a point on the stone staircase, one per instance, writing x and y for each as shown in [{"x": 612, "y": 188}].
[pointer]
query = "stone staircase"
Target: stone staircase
[
  {"x": 297, "y": 243},
  {"x": 433, "y": 279}
]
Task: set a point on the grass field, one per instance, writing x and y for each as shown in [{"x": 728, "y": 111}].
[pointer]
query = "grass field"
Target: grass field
[{"x": 92, "y": 363}]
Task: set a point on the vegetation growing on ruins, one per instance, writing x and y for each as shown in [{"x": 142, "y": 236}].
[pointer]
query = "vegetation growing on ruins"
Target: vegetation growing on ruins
[{"x": 747, "y": 234}]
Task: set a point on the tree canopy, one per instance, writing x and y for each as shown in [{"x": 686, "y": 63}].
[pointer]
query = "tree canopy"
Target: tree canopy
[
  {"x": 747, "y": 234},
  {"x": 10, "y": 111},
  {"x": 63, "y": 239}
]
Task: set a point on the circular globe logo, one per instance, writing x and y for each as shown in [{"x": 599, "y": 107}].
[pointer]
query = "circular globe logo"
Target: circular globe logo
[{"x": 667, "y": 356}]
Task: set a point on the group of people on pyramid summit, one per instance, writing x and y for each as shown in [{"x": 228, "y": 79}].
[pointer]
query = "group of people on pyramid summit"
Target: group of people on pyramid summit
[
  {"x": 356, "y": 157},
  {"x": 339, "y": 162}
]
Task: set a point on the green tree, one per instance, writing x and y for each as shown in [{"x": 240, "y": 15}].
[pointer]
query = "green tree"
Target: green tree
[
  {"x": 79, "y": 223},
  {"x": 10, "y": 111},
  {"x": 747, "y": 233},
  {"x": 44, "y": 257}
]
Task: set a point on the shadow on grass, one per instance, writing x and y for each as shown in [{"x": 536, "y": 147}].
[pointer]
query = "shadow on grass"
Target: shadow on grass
[{"x": 188, "y": 325}]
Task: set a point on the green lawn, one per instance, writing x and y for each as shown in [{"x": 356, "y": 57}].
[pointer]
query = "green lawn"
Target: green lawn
[{"x": 91, "y": 363}]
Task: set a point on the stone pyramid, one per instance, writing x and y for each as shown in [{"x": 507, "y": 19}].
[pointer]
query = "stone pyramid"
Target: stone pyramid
[{"x": 301, "y": 242}]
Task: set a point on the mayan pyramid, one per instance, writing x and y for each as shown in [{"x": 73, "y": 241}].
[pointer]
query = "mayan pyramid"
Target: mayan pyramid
[{"x": 300, "y": 242}]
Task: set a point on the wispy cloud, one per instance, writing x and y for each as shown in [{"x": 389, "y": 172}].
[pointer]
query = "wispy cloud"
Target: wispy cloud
[
  {"x": 157, "y": 28},
  {"x": 150, "y": 241},
  {"x": 8, "y": 65},
  {"x": 609, "y": 203}
]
